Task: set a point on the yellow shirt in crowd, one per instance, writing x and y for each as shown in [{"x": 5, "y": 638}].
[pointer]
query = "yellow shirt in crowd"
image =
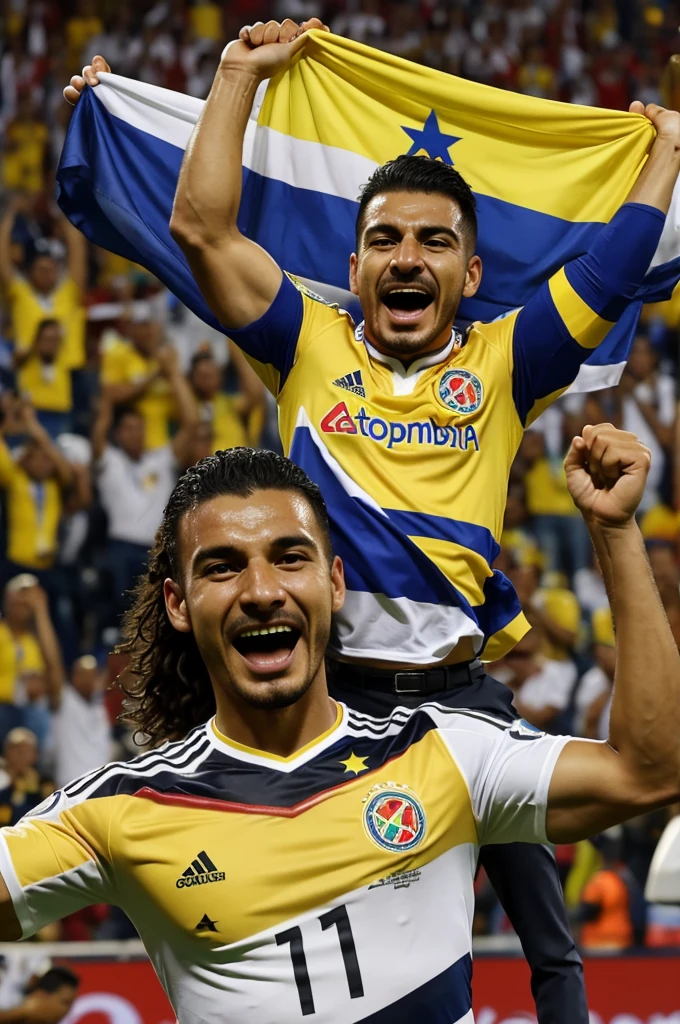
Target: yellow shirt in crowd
[
  {"x": 64, "y": 304},
  {"x": 122, "y": 363},
  {"x": 18, "y": 654},
  {"x": 23, "y": 165},
  {"x": 563, "y": 608},
  {"x": 546, "y": 490},
  {"x": 603, "y": 627},
  {"x": 33, "y": 514},
  {"x": 228, "y": 426},
  {"x": 48, "y": 385}
]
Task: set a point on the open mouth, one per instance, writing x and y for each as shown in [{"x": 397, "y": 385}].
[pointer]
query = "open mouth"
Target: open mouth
[
  {"x": 267, "y": 648},
  {"x": 407, "y": 304}
]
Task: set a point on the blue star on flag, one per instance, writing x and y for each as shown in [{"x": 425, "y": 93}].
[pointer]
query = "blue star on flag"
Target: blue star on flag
[{"x": 431, "y": 138}]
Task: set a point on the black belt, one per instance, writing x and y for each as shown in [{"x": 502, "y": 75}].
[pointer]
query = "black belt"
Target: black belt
[{"x": 429, "y": 680}]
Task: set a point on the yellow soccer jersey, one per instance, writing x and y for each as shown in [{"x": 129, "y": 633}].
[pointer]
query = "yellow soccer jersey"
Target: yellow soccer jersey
[
  {"x": 414, "y": 464},
  {"x": 267, "y": 889}
]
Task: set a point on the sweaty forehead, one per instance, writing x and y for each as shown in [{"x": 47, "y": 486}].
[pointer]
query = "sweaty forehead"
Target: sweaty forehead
[
  {"x": 250, "y": 524},
  {"x": 413, "y": 209}
]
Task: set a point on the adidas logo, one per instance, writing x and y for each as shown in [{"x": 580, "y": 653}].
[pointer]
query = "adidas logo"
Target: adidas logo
[
  {"x": 199, "y": 872},
  {"x": 352, "y": 382}
]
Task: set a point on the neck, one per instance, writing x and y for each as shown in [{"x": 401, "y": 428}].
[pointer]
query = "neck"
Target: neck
[
  {"x": 278, "y": 731},
  {"x": 406, "y": 358}
]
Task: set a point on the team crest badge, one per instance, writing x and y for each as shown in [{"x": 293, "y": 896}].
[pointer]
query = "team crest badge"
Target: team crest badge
[
  {"x": 461, "y": 391},
  {"x": 393, "y": 817}
]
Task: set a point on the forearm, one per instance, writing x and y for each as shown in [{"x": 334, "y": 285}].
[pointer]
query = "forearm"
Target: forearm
[
  {"x": 656, "y": 181},
  {"x": 62, "y": 465},
  {"x": 6, "y": 268},
  {"x": 15, "y": 1016},
  {"x": 209, "y": 187},
  {"x": 185, "y": 399},
  {"x": 645, "y": 715},
  {"x": 120, "y": 394},
  {"x": 51, "y": 652}
]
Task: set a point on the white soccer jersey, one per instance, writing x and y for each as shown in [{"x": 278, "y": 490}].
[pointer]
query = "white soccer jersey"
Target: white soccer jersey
[{"x": 336, "y": 884}]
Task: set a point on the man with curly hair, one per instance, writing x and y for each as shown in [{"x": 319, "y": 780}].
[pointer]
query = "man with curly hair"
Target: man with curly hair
[{"x": 339, "y": 848}]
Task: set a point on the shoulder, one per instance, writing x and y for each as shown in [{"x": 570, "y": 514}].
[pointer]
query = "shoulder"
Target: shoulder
[
  {"x": 181, "y": 757},
  {"x": 495, "y": 334},
  {"x": 322, "y": 310},
  {"x": 427, "y": 717}
]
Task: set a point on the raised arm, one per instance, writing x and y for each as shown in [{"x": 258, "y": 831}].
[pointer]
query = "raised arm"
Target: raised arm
[
  {"x": 596, "y": 785},
  {"x": 571, "y": 314},
  {"x": 238, "y": 279},
  {"x": 76, "y": 253},
  {"x": 48, "y": 643},
  {"x": 38, "y": 434},
  {"x": 102, "y": 425},
  {"x": 6, "y": 225},
  {"x": 185, "y": 401}
]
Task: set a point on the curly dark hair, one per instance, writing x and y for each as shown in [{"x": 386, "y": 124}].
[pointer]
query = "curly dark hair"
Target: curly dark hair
[
  {"x": 420, "y": 174},
  {"x": 167, "y": 687}
]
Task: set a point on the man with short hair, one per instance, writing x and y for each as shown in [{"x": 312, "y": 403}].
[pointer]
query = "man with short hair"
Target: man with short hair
[
  {"x": 45, "y": 290},
  {"x": 287, "y": 856},
  {"x": 48, "y": 1000},
  {"x": 44, "y": 378},
  {"x": 22, "y": 785},
  {"x": 82, "y": 737}
]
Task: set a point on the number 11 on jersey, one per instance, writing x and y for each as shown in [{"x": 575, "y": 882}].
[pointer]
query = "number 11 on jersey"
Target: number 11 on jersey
[{"x": 339, "y": 918}]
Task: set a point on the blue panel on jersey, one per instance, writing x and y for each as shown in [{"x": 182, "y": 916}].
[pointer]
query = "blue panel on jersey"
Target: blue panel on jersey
[
  {"x": 274, "y": 337},
  {"x": 443, "y": 1000},
  {"x": 469, "y": 535},
  {"x": 501, "y": 605},
  {"x": 609, "y": 275},
  {"x": 396, "y": 567}
]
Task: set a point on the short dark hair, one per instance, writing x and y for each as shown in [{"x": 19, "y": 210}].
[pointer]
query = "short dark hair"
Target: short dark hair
[
  {"x": 420, "y": 174},
  {"x": 167, "y": 684},
  {"x": 56, "y": 978},
  {"x": 49, "y": 321},
  {"x": 121, "y": 411}
]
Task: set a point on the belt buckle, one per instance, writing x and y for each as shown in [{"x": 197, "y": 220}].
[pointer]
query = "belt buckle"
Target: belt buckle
[{"x": 409, "y": 676}]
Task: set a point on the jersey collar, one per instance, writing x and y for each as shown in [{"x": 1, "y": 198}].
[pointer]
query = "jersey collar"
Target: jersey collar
[
  {"x": 396, "y": 365},
  {"x": 283, "y": 764}
]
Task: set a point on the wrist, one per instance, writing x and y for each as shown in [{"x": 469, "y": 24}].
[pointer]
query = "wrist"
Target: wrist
[
  {"x": 610, "y": 532},
  {"x": 236, "y": 72}
]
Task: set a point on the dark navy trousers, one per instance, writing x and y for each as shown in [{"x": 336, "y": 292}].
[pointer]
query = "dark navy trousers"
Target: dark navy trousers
[{"x": 524, "y": 875}]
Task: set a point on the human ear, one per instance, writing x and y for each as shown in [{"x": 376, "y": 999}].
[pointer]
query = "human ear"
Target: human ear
[{"x": 176, "y": 607}]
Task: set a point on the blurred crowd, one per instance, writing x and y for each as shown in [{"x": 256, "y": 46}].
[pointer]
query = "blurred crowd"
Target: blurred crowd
[{"x": 109, "y": 387}]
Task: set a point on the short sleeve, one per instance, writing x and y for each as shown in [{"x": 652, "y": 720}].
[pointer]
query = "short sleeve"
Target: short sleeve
[
  {"x": 55, "y": 861},
  {"x": 508, "y": 769}
]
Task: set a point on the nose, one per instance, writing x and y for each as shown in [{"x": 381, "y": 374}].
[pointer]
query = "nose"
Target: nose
[
  {"x": 407, "y": 256},
  {"x": 261, "y": 589}
]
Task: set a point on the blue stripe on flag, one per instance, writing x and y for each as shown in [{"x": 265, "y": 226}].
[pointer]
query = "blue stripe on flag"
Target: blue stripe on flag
[{"x": 117, "y": 184}]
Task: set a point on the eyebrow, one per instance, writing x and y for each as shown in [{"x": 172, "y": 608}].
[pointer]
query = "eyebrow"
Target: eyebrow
[
  {"x": 226, "y": 551},
  {"x": 428, "y": 231}
]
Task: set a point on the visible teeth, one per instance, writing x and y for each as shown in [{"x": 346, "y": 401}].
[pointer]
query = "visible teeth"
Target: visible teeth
[
  {"x": 267, "y": 631},
  {"x": 407, "y": 291}
]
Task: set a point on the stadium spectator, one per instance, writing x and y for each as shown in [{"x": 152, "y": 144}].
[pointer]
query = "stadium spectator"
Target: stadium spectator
[
  {"x": 82, "y": 738},
  {"x": 231, "y": 416},
  {"x": 608, "y": 900},
  {"x": 646, "y": 399},
  {"x": 44, "y": 379},
  {"x": 664, "y": 563},
  {"x": 593, "y": 697},
  {"x": 24, "y": 643},
  {"x": 46, "y": 290},
  {"x": 540, "y": 690},
  {"x": 134, "y": 480},
  {"x": 48, "y": 1000},
  {"x": 36, "y": 483},
  {"x": 135, "y": 373},
  {"x": 22, "y": 786},
  {"x": 558, "y": 528}
]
